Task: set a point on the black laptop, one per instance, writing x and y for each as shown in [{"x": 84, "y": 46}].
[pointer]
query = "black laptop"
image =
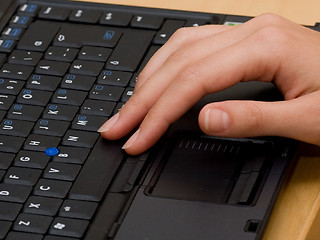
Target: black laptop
[{"x": 65, "y": 68}]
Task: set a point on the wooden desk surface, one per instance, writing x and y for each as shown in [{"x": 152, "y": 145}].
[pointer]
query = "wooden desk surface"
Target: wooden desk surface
[{"x": 296, "y": 215}]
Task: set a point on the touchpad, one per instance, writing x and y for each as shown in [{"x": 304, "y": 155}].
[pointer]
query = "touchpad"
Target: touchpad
[{"x": 203, "y": 169}]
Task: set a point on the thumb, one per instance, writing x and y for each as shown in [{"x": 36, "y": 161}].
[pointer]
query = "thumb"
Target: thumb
[{"x": 296, "y": 118}]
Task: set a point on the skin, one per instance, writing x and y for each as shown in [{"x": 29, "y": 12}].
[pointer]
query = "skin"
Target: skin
[{"x": 200, "y": 60}]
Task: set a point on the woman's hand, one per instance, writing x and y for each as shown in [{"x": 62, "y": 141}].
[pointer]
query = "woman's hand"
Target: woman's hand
[{"x": 201, "y": 60}]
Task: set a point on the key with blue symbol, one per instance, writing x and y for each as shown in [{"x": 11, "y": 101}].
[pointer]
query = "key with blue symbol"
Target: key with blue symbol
[
  {"x": 34, "y": 97},
  {"x": 78, "y": 35},
  {"x": 15, "y": 127}
]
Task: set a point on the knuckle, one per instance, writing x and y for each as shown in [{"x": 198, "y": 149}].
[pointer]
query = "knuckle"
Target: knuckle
[
  {"x": 190, "y": 79},
  {"x": 272, "y": 37},
  {"x": 180, "y": 35},
  {"x": 180, "y": 56},
  {"x": 271, "y": 33},
  {"x": 266, "y": 19},
  {"x": 189, "y": 75}
]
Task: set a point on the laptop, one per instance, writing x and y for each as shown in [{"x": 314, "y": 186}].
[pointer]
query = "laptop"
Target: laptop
[{"x": 65, "y": 68}]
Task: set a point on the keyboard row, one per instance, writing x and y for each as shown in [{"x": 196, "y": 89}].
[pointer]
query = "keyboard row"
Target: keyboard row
[{"x": 107, "y": 17}]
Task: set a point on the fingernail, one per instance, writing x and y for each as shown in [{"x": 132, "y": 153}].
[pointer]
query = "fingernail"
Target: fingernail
[
  {"x": 131, "y": 140},
  {"x": 108, "y": 124},
  {"x": 216, "y": 120}
]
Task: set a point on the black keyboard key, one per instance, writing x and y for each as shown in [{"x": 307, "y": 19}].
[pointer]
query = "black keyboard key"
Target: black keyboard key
[
  {"x": 15, "y": 71},
  {"x": 42, "y": 206},
  {"x": 85, "y": 15},
  {"x": 6, "y": 160},
  {"x": 116, "y": 78},
  {"x": 52, "y": 188},
  {"x": 15, "y": 127},
  {"x": 134, "y": 80},
  {"x": 9, "y": 211},
  {"x": 29, "y": 9},
  {"x": 31, "y": 159},
  {"x": 51, "y": 127},
  {"x": 116, "y": 18},
  {"x": 32, "y": 223},
  {"x": 12, "y": 33},
  {"x": 10, "y": 144},
  {"x": 152, "y": 50},
  {"x": 61, "y": 171},
  {"x": 94, "y": 53},
  {"x": 22, "y": 176},
  {"x": 68, "y": 227},
  {"x": 88, "y": 123},
  {"x": 33, "y": 41},
  {"x": 21, "y": 21},
  {"x": 88, "y": 68},
  {"x": 106, "y": 92},
  {"x": 23, "y": 236},
  {"x": 25, "y": 112},
  {"x": 14, "y": 193},
  {"x": 133, "y": 44},
  {"x": 12, "y": 87},
  {"x": 69, "y": 97},
  {"x": 61, "y": 54},
  {"x": 234, "y": 20},
  {"x": 60, "y": 112},
  {"x": 78, "y": 209},
  {"x": 167, "y": 29},
  {"x": 34, "y": 97},
  {"x": 76, "y": 138},
  {"x": 77, "y": 35},
  {"x": 77, "y": 82},
  {"x": 4, "y": 228},
  {"x": 71, "y": 155},
  {"x": 6, "y": 101},
  {"x": 147, "y": 21},
  {"x": 55, "y": 68},
  {"x": 7, "y": 45},
  {"x": 97, "y": 108},
  {"x": 54, "y": 13},
  {"x": 40, "y": 142},
  {"x": 43, "y": 82},
  {"x": 104, "y": 161},
  {"x": 127, "y": 94}
]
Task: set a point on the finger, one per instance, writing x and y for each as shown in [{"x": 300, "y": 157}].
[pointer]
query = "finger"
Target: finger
[
  {"x": 180, "y": 38},
  {"x": 249, "y": 118},
  {"x": 184, "y": 47},
  {"x": 249, "y": 59}
]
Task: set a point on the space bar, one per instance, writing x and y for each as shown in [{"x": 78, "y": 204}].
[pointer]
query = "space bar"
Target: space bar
[{"x": 98, "y": 171}]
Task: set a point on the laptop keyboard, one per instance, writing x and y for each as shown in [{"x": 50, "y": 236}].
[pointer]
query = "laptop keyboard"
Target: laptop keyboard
[{"x": 65, "y": 69}]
